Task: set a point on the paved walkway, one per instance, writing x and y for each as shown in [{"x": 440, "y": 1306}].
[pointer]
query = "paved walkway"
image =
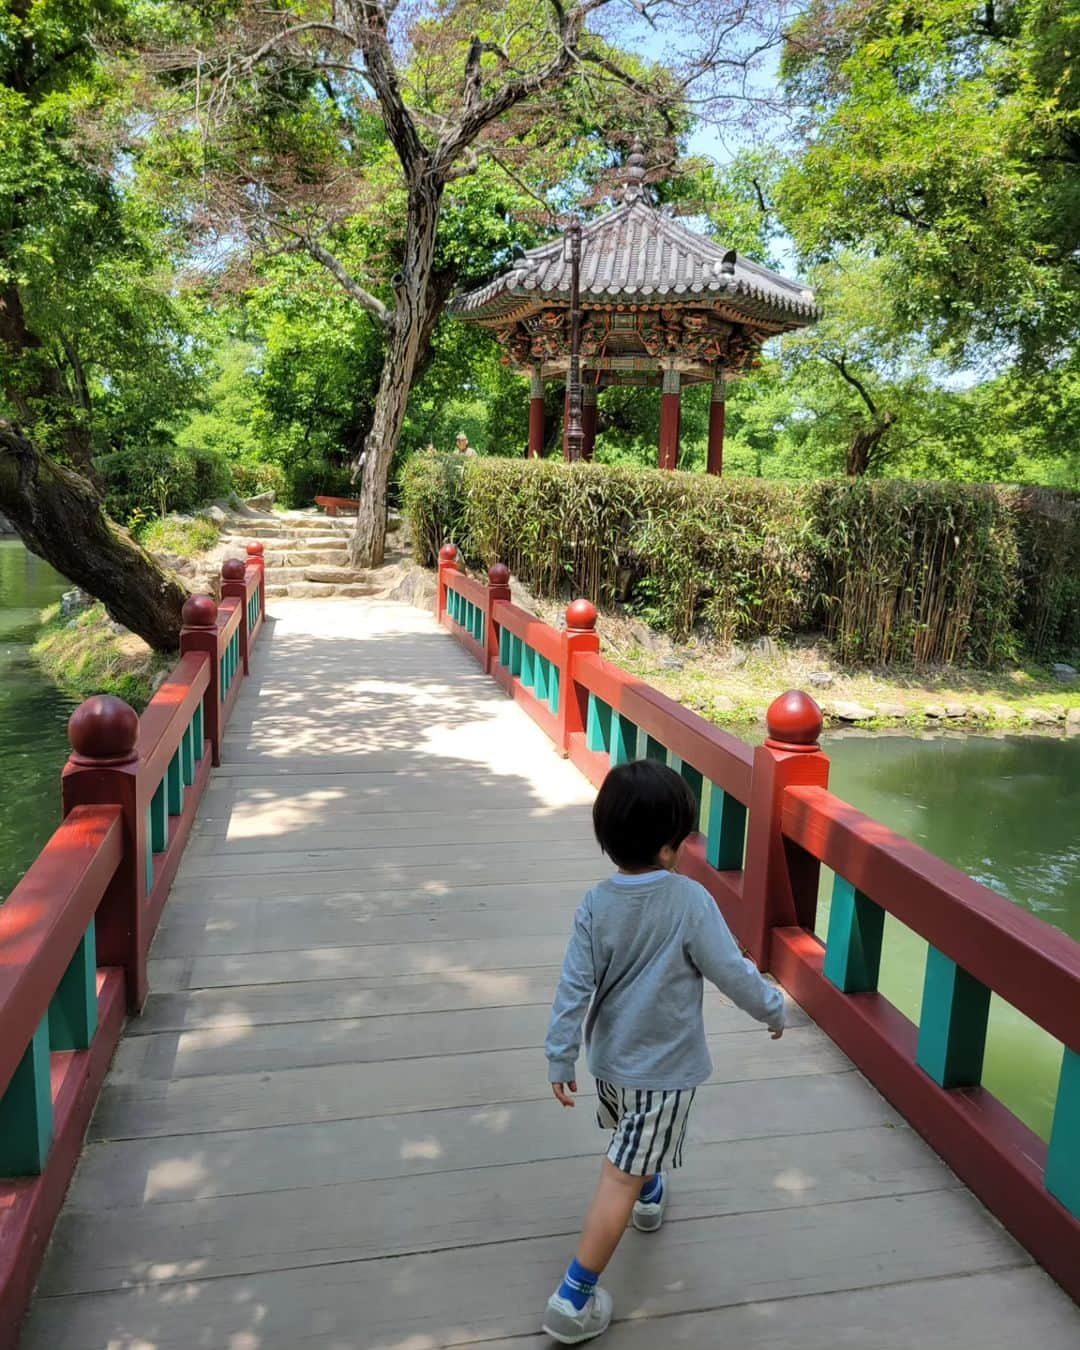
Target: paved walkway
[{"x": 331, "y": 1128}]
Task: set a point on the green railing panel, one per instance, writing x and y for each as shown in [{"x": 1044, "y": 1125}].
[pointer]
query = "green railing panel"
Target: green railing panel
[
  {"x": 654, "y": 750},
  {"x": 541, "y": 684},
  {"x": 598, "y": 725},
  {"x": 952, "y": 1026},
  {"x": 223, "y": 674},
  {"x": 73, "y": 1011},
  {"x": 517, "y": 654},
  {"x": 553, "y": 691},
  {"x": 159, "y": 820},
  {"x": 624, "y": 738},
  {"x": 853, "y": 948},
  {"x": 174, "y": 785},
  {"x": 725, "y": 829},
  {"x": 187, "y": 755},
  {"x": 479, "y": 631},
  {"x": 1063, "y": 1159},
  {"x": 505, "y": 637},
  {"x": 198, "y": 733},
  {"x": 26, "y": 1115},
  {"x": 528, "y": 666},
  {"x": 691, "y": 777}
]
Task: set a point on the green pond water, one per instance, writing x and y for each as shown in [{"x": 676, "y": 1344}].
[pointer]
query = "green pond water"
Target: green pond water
[
  {"x": 1005, "y": 810},
  {"x": 33, "y": 715}
]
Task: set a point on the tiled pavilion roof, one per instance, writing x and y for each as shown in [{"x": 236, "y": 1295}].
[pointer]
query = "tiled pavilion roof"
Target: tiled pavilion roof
[{"x": 636, "y": 255}]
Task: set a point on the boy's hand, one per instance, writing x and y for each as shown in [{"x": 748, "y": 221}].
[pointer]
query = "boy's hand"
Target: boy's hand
[
  {"x": 776, "y": 1034},
  {"x": 562, "y": 1093}
]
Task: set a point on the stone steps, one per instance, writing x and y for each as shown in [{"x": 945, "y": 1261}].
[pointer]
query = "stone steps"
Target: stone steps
[
  {"x": 321, "y": 555},
  {"x": 318, "y": 590},
  {"x": 320, "y": 571}
]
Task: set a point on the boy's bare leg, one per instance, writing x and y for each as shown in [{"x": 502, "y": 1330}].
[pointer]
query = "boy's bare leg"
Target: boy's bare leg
[{"x": 607, "y": 1216}]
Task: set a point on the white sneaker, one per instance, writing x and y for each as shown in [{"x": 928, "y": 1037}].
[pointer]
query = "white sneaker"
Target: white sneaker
[
  {"x": 648, "y": 1216},
  {"x": 565, "y": 1324}
]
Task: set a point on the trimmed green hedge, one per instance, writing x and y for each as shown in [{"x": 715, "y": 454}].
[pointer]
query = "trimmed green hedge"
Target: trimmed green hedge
[{"x": 892, "y": 571}]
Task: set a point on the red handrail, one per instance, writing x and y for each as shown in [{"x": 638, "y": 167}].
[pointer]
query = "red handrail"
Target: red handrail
[
  {"x": 794, "y": 825},
  {"x": 94, "y": 872},
  {"x": 45, "y": 918},
  {"x": 1034, "y": 967}
]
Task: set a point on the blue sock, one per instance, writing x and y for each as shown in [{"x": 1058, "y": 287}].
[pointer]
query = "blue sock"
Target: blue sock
[
  {"x": 578, "y": 1285},
  {"x": 653, "y": 1190}
]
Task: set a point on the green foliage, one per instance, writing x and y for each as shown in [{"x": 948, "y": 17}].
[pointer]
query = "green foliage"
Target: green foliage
[
  {"x": 184, "y": 538},
  {"x": 433, "y": 500},
  {"x": 942, "y": 139},
  {"x": 892, "y": 571},
  {"x": 920, "y": 572},
  {"x": 161, "y": 477}
]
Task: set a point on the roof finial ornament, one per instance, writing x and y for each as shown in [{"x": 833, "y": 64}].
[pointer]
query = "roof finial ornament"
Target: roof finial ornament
[{"x": 634, "y": 190}]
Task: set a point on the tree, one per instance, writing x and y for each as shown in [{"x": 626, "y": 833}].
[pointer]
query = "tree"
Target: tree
[
  {"x": 944, "y": 137},
  {"x": 76, "y": 303},
  {"x": 292, "y": 103}
]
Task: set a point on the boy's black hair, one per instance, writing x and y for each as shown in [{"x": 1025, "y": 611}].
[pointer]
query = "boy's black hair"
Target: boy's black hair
[{"x": 641, "y": 807}]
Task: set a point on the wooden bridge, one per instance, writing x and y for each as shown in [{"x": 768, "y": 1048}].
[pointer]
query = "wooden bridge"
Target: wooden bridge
[{"x": 330, "y": 1125}]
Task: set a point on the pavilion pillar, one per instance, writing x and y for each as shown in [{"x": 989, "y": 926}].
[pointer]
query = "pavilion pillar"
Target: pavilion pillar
[
  {"x": 717, "y": 413},
  {"x": 588, "y": 420},
  {"x": 537, "y": 424},
  {"x": 670, "y": 399}
]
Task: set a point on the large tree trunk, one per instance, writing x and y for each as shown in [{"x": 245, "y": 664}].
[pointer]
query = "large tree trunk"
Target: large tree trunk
[
  {"x": 60, "y": 517},
  {"x": 405, "y": 336},
  {"x": 864, "y": 444}
]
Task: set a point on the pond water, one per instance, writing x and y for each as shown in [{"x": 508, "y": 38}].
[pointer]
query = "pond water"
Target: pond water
[
  {"x": 1005, "y": 810},
  {"x": 33, "y": 715}
]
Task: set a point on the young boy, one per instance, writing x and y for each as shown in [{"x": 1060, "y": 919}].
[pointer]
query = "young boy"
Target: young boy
[{"x": 641, "y": 944}]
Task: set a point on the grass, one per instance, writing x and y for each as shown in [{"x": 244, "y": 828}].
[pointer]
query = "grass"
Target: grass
[
  {"x": 85, "y": 656},
  {"x": 733, "y": 686},
  {"x": 184, "y": 538}
]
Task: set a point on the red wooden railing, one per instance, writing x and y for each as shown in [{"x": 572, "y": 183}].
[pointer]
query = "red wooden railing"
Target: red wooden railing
[
  {"x": 767, "y": 823},
  {"x": 75, "y": 933}
]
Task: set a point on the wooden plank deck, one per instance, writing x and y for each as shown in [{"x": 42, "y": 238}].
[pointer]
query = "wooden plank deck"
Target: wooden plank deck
[{"x": 331, "y": 1127}]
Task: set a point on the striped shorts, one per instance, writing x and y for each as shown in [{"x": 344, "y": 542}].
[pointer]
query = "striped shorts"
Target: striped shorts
[{"x": 649, "y": 1127}]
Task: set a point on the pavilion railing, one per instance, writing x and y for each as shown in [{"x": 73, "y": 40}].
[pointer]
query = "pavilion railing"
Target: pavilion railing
[
  {"x": 75, "y": 933},
  {"x": 767, "y": 823}
]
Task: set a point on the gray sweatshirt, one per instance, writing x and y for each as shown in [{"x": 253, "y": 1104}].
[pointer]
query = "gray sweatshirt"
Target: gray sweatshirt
[{"x": 639, "y": 950}]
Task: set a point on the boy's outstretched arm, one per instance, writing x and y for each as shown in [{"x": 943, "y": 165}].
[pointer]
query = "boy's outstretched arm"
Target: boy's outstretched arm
[
  {"x": 576, "y": 985},
  {"x": 715, "y": 953}
]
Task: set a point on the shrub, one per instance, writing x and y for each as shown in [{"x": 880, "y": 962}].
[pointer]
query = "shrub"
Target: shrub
[
  {"x": 920, "y": 572},
  {"x": 158, "y": 478},
  {"x": 893, "y": 571},
  {"x": 251, "y": 478}
]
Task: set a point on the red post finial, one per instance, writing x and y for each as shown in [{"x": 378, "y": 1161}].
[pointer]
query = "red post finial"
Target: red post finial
[
  {"x": 200, "y": 611},
  {"x": 448, "y": 553},
  {"x": 103, "y": 730},
  {"x": 581, "y": 616},
  {"x": 233, "y": 569},
  {"x": 794, "y": 721},
  {"x": 499, "y": 575},
  {"x": 255, "y": 549}
]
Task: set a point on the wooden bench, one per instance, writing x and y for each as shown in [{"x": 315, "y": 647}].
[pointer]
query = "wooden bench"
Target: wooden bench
[{"x": 335, "y": 506}]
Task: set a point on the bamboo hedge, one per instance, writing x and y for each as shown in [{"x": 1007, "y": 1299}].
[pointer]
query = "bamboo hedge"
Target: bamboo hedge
[{"x": 891, "y": 571}]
